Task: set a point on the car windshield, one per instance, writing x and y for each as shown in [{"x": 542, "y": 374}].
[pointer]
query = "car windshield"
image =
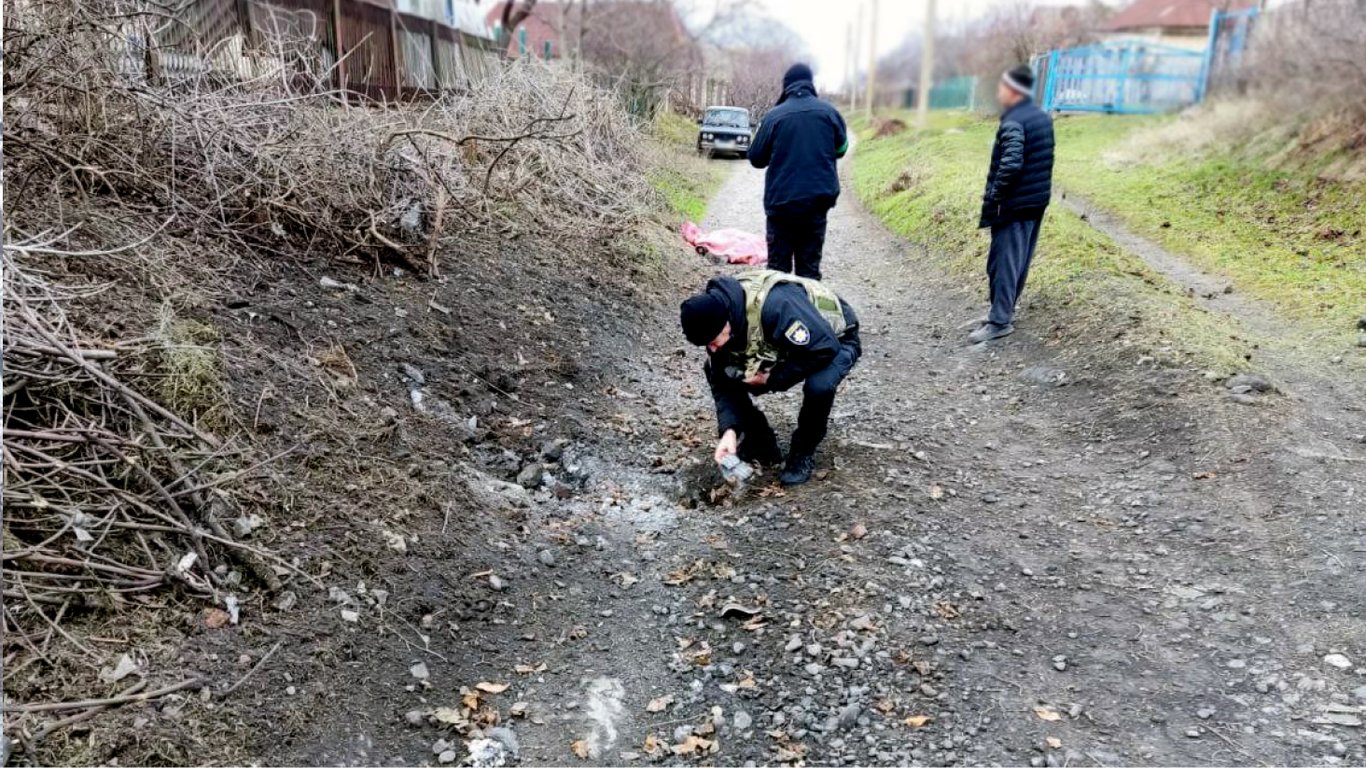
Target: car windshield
[{"x": 727, "y": 118}]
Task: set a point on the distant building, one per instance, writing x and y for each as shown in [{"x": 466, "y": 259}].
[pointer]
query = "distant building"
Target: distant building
[
  {"x": 464, "y": 15},
  {"x": 1183, "y": 23}
]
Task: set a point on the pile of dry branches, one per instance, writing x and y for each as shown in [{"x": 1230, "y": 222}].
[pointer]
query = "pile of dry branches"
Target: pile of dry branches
[
  {"x": 111, "y": 495},
  {"x": 273, "y": 169}
]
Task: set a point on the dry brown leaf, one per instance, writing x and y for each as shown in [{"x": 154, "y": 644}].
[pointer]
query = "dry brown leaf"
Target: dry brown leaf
[
  {"x": 651, "y": 746},
  {"x": 947, "y": 610},
  {"x": 215, "y": 618},
  {"x": 918, "y": 721},
  {"x": 694, "y": 745},
  {"x": 681, "y": 576},
  {"x": 469, "y": 699},
  {"x": 660, "y": 704},
  {"x": 448, "y": 715},
  {"x": 1053, "y": 742},
  {"x": 580, "y": 749},
  {"x": 487, "y": 687},
  {"x": 885, "y": 706},
  {"x": 527, "y": 669},
  {"x": 1047, "y": 713}
]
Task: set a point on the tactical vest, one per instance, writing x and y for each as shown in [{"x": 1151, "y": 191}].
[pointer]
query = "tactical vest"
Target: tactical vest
[{"x": 759, "y": 353}]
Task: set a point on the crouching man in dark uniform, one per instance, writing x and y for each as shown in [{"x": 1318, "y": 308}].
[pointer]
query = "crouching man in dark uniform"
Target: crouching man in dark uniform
[{"x": 766, "y": 331}]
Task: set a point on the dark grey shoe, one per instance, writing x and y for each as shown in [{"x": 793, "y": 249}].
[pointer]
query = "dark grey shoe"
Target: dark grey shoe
[
  {"x": 798, "y": 469},
  {"x": 990, "y": 331}
]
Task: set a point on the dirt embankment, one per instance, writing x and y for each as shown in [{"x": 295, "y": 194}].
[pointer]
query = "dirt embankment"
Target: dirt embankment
[{"x": 283, "y": 376}]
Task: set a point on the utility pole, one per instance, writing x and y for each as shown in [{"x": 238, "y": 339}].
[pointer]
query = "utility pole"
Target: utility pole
[
  {"x": 922, "y": 98},
  {"x": 872, "y": 60},
  {"x": 849, "y": 62},
  {"x": 853, "y": 61}
]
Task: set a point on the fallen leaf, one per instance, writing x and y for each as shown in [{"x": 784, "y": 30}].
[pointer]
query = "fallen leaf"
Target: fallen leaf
[
  {"x": 694, "y": 745},
  {"x": 469, "y": 699},
  {"x": 1053, "y": 742},
  {"x": 858, "y": 531},
  {"x": 215, "y": 618},
  {"x": 660, "y": 704},
  {"x": 739, "y": 611},
  {"x": 946, "y": 610},
  {"x": 651, "y": 746},
  {"x": 448, "y": 715},
  {"x": 918, "y": 721},
  {"x": 527, "y": 669},
  {"x": 493, "y": 687},
  {"x": 885, "y": 706},
  {"x": 518, "y": 709},
  {"x": 681, "y": 576},
  {"x": 1204, "y": 475},
  {"x": 1047, "y": 713},
  {"x": 580, "y": 749},
  {"x": 936, "y": 492}
]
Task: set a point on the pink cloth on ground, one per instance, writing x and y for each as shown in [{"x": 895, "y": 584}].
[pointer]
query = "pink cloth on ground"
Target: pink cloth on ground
[{"x": 736, "y": 246}]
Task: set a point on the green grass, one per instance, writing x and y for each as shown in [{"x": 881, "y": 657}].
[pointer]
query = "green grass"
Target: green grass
[
  {"x": 927, "y": 185},
  {"x": 686, "y": 181},
  {"x": 1286, "y": 236}
]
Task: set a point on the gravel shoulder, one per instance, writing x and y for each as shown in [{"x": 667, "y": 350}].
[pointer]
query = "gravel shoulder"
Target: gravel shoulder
[{"x": 1002, "y": 561}]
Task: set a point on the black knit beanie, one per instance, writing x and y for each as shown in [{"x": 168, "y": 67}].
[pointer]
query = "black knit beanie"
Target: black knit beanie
[
  {"x": 797, "y": 73},
  {"x": 1020, "y": 78},
  {"x": 703, "y": 316}
]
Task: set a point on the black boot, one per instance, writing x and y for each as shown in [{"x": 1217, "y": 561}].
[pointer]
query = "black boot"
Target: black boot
[{"x": 798, "y": 470}]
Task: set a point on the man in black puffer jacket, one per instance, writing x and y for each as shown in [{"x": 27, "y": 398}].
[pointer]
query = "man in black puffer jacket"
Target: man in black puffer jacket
[
  {"x": 1018, "y": 188},
  {"x": 798, "y": 142}
]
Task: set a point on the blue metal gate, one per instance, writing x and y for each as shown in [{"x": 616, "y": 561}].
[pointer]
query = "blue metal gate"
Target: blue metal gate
[{"x": 1121, "y": 76}]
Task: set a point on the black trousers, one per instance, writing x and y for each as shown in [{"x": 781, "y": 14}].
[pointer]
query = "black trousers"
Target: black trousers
[
  {"x": 1012, "y": 250},
  {"x": 818, "y": 399},
  {"x": 796, "y": 236}
]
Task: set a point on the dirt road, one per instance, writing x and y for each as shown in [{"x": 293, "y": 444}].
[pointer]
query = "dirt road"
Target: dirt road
[{"x": 1012, "y": 554}]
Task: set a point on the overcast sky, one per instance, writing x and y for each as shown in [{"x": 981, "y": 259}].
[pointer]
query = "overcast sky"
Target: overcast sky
[{"x": 824, "y": 25}]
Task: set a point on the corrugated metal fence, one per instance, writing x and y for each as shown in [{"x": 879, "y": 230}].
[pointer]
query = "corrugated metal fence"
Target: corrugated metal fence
[
  {"x": 1141, "y": 76},
  {"x": 355, "y": 46}
]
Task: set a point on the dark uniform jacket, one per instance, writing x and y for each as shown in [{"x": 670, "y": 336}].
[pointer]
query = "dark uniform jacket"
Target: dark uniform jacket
[
  {"x": 1021, "y": 177},
  {"x": 787, "y": 304},
  {"x": 798, "y": 142}
]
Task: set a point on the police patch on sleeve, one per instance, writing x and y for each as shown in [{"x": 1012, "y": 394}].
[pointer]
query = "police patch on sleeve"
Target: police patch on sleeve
[{"x": 798, "y": 333}]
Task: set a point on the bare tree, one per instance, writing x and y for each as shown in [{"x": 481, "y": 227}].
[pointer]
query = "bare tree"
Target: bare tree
[{"x": 1309, "y": 53}]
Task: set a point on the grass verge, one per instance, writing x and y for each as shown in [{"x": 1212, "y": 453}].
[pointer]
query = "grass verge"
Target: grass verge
[
  {"x": 1223, "y": 196},
  {"x": 926, "y": 186},
  {"x": 686, "y": 181}
]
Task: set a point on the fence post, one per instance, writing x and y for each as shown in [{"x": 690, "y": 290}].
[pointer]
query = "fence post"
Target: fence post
[
  {"x": 434, "y": 45},
  {"x": 342, "y": 63},
  {"x": 1207, "y": 65},
  {"x": 395, "y": 60},
  {"x": 1051, "y": 85}
]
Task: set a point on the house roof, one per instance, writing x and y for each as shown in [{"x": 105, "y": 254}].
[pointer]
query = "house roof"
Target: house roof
[{"x": 1146, "y": 14}]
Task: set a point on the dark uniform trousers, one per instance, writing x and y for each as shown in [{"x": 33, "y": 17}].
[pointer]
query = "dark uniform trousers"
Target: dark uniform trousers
[
  {"x": 818, "y": 398},
  {"x": 796, "y": 237},
  {"x": 1012, "y": 249}
]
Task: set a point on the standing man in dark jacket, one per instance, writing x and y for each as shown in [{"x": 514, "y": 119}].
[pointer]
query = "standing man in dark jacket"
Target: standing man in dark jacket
[
  {"x": 767, "y": 331},
  {"x": 1018, "y": 188},
  {"x": 798, "y": 142}
]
